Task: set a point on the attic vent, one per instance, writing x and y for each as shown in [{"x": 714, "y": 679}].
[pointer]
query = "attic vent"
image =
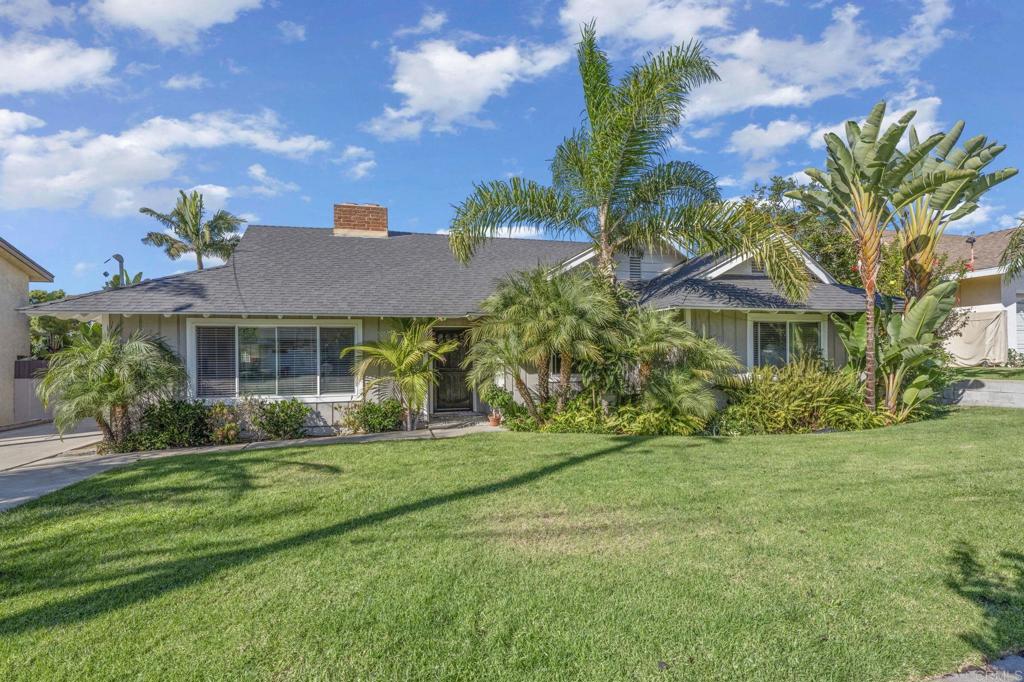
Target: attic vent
[
  {"x": 636, "y": 272},
  {"x": 756, "y": 269}
]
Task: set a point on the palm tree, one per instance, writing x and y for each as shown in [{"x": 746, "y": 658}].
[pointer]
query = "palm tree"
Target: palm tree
[
  {"x": 188, "y": 232},
  {"x": 866, "y": 184},
  {"x": 561, "y": 315},
  {"x": 408, "y": 355},
  {"x": 611, "y": 185},
  {"x": 494, "y": 354},
  {"x": 925, "y": 220},
  {"x": 101, "y": 375},
  {"x": 1012, "y": 260}
]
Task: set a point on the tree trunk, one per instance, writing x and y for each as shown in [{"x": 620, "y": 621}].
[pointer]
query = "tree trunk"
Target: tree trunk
[
  {"x": 118, "y": 421},
  {"x": 605, "y": 253},
  {"x": 544, "y": 378},
  {"x": 199, "y": 260},
  {"x": 108, "y": 434},
  {"x": 869, "y": 346},
  {"x": 564, "y": 377},
  {"x": 524, "y": 393},
  {"x": 643, "y": 375}
]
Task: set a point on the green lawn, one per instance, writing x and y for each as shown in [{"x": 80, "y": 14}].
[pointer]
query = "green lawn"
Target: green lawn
[
  {"x": 992, "y": 372},
  {"x": 884, "y": 555}
]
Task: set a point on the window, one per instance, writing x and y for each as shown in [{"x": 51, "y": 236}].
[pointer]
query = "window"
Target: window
[
  {"x": 636, "y": 262},
  {"x": 776, "y": 342},
  {"x": 273, "y": 360}
]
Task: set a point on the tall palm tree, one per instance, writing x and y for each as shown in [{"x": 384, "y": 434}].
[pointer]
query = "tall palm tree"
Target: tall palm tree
[
  {"x": 101, "y": 375},
  {"x": 925, "y": 220},
  {"x": 188, "y": 232},
  {"x": 407, "y": 355},
  {"x": 865, "y": 186},
  {"x": 611, "y": 184},
  {"x": 493, "y": 354}
]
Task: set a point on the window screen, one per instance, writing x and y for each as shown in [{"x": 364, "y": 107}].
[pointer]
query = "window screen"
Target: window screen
[
  {"x": 296, "y": 360},
  {"x": 257, "y": 361},
  {"x": 336, "y": 373},
  {"x": 215, "y": 362},
  {"x": 770, "y": 343}
]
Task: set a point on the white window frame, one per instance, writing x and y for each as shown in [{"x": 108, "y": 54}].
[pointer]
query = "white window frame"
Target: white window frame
[
  {"x": 821, "y": 319},
  {"x": 192, "y": 323}
]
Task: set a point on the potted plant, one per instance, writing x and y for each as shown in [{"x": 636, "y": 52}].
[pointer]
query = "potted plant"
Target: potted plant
[{"x": 498, "y": 399}]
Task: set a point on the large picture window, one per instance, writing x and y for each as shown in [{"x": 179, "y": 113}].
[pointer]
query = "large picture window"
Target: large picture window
[
  {"x": 776, "y": 342},
  {"x": 269, "y": 360}
]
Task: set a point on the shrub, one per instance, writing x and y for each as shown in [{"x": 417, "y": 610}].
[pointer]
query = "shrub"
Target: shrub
[
  {"x": 578, "y": 416},
  {"x": 225, "y": 423},
  {"x": 1014, "y": 358},
  {"x": 800, "y": 397},
  {"x": 170, "y": 424},
  {"x": 370, "y": 417},
  {"x": 637, "y": 420},
  {"x": 278, "y": 420},
  {"x": 501, "y": 401}
]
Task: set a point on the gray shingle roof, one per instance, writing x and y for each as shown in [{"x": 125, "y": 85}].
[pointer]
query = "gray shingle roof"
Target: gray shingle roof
[
  {"x": 309, "y": 271},
  {"x": 674, "y": 289}
]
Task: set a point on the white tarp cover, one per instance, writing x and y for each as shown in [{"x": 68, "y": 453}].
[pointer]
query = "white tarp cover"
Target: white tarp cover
[{"x": 983, "y": 339}]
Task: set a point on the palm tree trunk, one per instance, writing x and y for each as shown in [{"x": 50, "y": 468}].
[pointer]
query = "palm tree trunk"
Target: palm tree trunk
[
  {"x": 108, "y": 434},
  {"x": 118, "y": 421},
  {"x": 544, "y": 378},
  {"x": 199, "y": 260},
  {"x": 564, "y": 377},
  {"x": 605, "y": 253},
  {"x": 524, "y": 393},
  {"x": 869, "y": 345}
]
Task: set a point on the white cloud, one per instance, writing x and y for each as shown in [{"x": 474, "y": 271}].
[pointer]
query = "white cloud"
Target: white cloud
[
  {"x": 34, "y": 14},
  {"x": 431, "y": 21},
  {"x": 291, "y": 32},
  {"x": 359, "y": 161},
  {"x": 183, "y": 81},
  {"x": 249, "y": 218},
  {"x": 177, "y": 23},
  {"x": 756, "y": 142},
  {"x": 728, "y": 181},
  {"x": 986, "y": 218},
  {"x": 37, "y": 64},
  {"x": 15, "y": 122},
  {"x": 645, "y": 22},
  {"x": 267, "y": 185},
  {"x": 444, "y": 87},
  {"x": 82, "y": 267},
  {"x": 114, "y": 172},
  {"x": 758, "y": 71}
]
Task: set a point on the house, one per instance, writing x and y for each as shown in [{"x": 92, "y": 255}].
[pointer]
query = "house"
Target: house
[
  {"x": 273, "y": 320},
  {"x": 16, "y": 271},
  {"x": 994, "y": 306}
]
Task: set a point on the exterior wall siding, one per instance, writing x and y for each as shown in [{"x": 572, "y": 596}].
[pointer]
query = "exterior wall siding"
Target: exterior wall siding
[{"x": 14, "y": 337}]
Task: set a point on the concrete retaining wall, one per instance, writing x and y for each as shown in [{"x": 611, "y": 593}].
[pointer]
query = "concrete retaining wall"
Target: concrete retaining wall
[{"x": 986, "y": 393}]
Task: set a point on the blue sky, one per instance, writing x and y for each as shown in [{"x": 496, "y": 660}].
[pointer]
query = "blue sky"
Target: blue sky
[{"x": 276, "y": 110}]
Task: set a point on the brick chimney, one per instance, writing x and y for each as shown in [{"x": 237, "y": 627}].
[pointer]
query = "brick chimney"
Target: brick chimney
[{"x": 360, "y": 220}]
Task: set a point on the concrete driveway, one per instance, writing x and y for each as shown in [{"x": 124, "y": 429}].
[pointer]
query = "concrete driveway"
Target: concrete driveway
[{"x": 19, "y": 447}]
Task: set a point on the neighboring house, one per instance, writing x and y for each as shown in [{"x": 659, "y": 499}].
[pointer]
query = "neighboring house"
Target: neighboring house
[
  {"x": 994, "y": 306},
  {"x": 273, "y": 319},
  {"x": 16, "y": 271}
]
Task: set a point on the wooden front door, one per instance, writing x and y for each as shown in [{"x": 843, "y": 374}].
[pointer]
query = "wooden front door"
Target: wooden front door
[{"x": 451, "y": 391}]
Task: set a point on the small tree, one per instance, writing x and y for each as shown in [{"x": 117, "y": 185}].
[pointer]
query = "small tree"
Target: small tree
[
  {"x": 188, "y": 232},
  {"x": 1012, "y": 259},
  {"x": 102, "y": 376},
  {"x": 408, "y": 355}
]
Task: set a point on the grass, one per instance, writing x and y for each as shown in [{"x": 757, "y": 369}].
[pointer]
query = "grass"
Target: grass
[
  {"x": 883, "y": 555},
  {"x": 991, "y": 372}
]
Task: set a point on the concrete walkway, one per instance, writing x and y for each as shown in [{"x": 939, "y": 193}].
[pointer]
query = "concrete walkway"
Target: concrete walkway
[
  {"x": 19, "y": 447},
  {"x": 37, "y": 478},
  {"x": 1009, "y": 669}
]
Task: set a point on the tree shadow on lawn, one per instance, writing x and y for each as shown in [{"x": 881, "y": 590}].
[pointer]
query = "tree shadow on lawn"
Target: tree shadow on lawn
[
  {"x": 154, "y": 580},
  {"x": 998, "y": 590}
]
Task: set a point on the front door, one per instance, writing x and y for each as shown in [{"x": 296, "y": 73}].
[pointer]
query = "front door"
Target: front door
[{"x": 451, "y": 391}]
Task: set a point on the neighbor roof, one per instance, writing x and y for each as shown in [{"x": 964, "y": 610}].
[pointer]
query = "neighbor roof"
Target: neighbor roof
[
  {"x": 678, "y": 289},
  {"x": 310, "y": 271},
  {"x": 988, "y": 247},
  {"x": 36, "y": 272}
]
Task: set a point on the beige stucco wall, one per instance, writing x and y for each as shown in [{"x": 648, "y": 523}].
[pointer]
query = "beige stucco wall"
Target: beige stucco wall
[
  {"x": 980, "y": 291},
  {"x": 14, "y": 338}
]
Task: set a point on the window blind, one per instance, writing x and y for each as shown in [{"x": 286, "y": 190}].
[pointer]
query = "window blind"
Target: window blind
[
  {"x": 636, "y": 262},
  {"x": 257, "y": 361},
  {"x": 296, "y": 360},
  {"x": 337, "y": 374},
  {"x": 805, "y": 339},
  {"x": 769, "y": 343},
  {"x": 215, "y": 362}
]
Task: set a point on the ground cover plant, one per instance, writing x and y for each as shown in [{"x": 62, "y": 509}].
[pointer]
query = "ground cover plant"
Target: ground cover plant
[{"x": 886, "y": 554}]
